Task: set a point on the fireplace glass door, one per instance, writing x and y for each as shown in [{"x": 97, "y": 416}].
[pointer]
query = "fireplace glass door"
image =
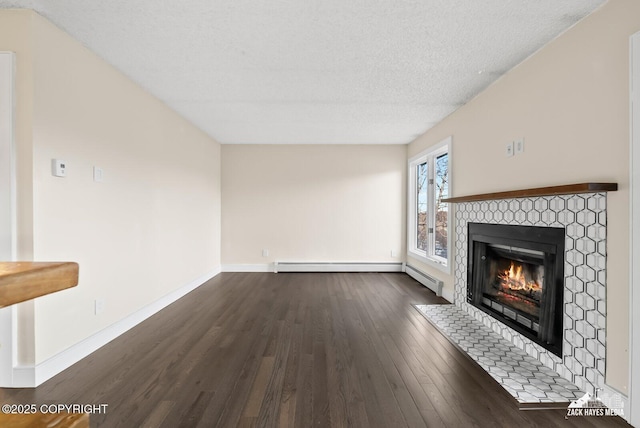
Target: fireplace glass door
[
  {"x": 516, "y": 275},
  {"x": 514, "y": 284}
]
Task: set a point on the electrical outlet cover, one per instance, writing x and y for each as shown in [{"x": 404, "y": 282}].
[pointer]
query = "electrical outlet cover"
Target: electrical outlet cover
[
  {"x": 99, "y": 305},
  {"x": 509, "y": 150}
]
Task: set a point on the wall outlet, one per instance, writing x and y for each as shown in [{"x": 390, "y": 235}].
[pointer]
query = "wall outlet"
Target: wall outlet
[
  {"x": 99, "y": 306},
  {"x": 508, "y": 150},
  {"x": 519, "y": 145},
  {"x": 265, "y": 253},
  {"x": 394, "y": 253}
]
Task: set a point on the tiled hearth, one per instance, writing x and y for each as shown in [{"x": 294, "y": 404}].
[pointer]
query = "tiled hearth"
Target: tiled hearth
[
  {"x": 583, "y": 217},
  {"x": 521, "y": 375}
]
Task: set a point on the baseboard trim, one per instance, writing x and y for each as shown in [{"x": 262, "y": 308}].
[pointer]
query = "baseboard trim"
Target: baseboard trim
[
  {"x": 431, "y": 282},
  {"x": 266, "y": 267},
  {"x": 428, "y": 281},
  {"x": 625, "y": 401},
  {"x": 316, "y": 267},
  {"x": 26, "y": 376},
  {"x": 23, "y": 377},
  {"x": 338, "y": 267}
]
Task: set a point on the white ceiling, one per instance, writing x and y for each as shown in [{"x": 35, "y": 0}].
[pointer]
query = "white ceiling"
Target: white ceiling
[{"x": 313, "y": 71}]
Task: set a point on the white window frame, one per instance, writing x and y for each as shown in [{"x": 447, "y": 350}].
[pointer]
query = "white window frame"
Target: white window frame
[{"x": 427, "y": 256}]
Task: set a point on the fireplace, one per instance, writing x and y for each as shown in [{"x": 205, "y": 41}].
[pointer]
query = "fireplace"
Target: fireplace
[{"x": 516, "y": 275}]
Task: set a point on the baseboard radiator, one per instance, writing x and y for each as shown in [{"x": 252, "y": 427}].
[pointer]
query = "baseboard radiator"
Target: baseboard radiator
[
  {"x": 433, "y": 284},
  {"x": 337, "y": 267}
]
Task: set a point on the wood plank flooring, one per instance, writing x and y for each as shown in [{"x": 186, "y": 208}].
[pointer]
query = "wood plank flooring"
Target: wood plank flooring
[{"x": 291, "y": 350}]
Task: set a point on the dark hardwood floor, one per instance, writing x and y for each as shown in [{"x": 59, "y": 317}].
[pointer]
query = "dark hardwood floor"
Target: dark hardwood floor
[{"x": 300, "y": 350}]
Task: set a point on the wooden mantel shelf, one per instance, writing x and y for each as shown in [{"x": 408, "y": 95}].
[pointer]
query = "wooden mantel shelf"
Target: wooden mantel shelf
[
  {"x": 20, "y": 281},
  {"x": 569, "y": 189}
]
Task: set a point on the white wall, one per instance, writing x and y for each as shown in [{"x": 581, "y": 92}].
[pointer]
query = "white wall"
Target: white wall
[
  {"x": 7, "y": 204},
  {"x": 312, "y": 203},
  {"x": 570, "y": 101},
  {"x": 150, "y": 228}
]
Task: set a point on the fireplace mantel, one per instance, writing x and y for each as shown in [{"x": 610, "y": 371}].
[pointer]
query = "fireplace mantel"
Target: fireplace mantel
[{"x": 568, "y": 189}]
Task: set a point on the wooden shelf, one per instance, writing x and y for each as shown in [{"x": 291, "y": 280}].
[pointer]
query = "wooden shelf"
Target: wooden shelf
[
  {"x": 20, "y": 281},
  {"x": 570, "y": 189}
]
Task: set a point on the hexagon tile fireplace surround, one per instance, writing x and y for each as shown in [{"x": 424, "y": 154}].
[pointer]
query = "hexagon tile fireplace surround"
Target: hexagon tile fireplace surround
[{"x": 531, "y": 372}]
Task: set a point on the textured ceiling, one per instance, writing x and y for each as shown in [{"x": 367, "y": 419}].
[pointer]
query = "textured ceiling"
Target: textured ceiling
[{"x": 313, "y": 71}]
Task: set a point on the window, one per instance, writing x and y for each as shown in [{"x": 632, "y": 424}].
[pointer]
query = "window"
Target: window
[{"x": 428, "y": 227}]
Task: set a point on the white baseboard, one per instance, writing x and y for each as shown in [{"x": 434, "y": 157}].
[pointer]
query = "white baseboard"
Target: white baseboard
[
  {"x": 23, "y": 377},
  {"x": 266, "y": 267},
  {"x": 338, "y": 267},
  {"x": 315, "y": 267},
  {"x": 431, "y": 282},
  {"x": 625, "y": 401},
  {"x": 33, "y": 376}
]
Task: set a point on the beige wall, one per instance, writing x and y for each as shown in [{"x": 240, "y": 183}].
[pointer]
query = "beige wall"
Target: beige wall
[
  {"x": 151, "y": 227},
  {"x": 312, "y": 203},
  {"x": 570, "y": 101},
  {"x": 15, "y": 35}
]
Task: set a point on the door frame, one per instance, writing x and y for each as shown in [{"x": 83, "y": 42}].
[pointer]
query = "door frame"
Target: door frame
[
  {"x": 634, "y": 214},
  {"x": 8, "y": 217}
]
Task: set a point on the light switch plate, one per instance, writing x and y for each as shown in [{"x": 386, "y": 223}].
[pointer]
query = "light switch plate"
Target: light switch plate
[
  {"x": 58, "y": 168},
  {"x": 98, "y": 174}
]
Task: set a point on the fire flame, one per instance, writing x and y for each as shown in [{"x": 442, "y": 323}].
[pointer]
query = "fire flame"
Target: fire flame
[{"x": 514, "y": 279}]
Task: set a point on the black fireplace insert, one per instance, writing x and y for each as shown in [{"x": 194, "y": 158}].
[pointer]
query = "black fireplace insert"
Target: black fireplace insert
[{"x": 516, "y": 275}]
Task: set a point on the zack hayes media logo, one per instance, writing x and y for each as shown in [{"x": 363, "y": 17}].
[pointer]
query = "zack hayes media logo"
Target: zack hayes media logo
[{"x": 600, "y": 405}]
